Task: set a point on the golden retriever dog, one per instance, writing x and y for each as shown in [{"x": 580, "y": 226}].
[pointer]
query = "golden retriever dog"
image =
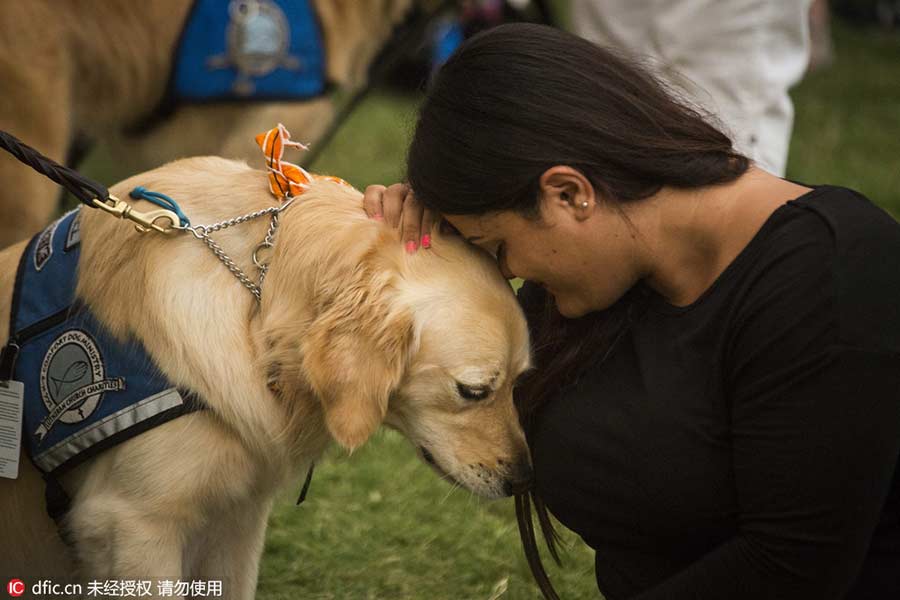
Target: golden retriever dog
[
  {"x": 94, "y": 68},
  {"x": 351, "y": 332}
]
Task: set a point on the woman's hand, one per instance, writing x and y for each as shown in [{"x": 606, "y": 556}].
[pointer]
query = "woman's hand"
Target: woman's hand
[{"x": 397, "y": 205}]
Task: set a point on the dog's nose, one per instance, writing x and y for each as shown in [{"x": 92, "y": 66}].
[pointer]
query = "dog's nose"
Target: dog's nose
[{"x": 519, "y": 480}]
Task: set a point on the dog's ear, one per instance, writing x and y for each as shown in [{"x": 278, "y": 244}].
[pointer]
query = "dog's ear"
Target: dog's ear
[
  {"x": 355, "y": 354},
  {"x": 332, "y": 323}
]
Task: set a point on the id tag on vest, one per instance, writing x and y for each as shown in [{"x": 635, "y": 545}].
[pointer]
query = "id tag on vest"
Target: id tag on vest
[{"x": 11, "y": 404}]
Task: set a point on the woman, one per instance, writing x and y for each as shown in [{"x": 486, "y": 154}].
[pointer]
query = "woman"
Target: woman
[{"x": 715, "y": 407}]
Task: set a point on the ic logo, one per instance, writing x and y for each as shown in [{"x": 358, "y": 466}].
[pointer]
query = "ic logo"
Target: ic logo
[{"x": 15, "y": 587}]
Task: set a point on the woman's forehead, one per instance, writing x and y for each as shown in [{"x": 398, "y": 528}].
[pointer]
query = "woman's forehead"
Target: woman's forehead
[{"x": 484, "y": 226}]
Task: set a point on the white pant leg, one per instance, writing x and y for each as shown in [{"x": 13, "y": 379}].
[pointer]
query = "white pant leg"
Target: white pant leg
[{"x": 735, "y": 58}]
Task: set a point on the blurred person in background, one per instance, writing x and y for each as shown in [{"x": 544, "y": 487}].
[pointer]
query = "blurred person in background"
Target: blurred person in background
[
  {"x": 821, "y": 47},
  {"x": 736, "y": 59}
]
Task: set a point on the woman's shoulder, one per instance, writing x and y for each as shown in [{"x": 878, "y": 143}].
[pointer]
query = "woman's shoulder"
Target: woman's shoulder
[
  {"x": 849, "y": 216},
  {"x": 841, "y": 216},
  {"x": 834, "y": 247}
]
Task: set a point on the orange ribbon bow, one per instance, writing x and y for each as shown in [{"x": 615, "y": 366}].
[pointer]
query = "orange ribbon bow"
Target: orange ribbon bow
[{"x": 286, "y": 179}]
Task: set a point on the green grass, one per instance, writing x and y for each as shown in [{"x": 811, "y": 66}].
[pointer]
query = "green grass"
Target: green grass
[
  {"x": 847, "y": 123},
  {"x": 379, "y": 524}
]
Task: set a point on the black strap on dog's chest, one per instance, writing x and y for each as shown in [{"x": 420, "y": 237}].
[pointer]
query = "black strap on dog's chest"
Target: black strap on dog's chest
[
  {"x": 305, "y": 488},
  {"x": 11, "y": 349},
  {"x": 8, "y": 360}
]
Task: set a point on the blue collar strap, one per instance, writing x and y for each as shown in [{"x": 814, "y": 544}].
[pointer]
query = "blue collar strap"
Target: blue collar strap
[{"x": 249, "y": 49}]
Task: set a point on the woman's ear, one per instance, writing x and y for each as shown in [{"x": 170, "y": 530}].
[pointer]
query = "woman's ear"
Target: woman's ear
[{"x": 567, "y": 189}]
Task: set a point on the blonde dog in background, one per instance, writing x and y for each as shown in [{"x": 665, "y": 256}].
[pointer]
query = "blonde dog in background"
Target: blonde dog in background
[
  {"x": 96, "y": 67},
  {"x": 351, "y": 332}
]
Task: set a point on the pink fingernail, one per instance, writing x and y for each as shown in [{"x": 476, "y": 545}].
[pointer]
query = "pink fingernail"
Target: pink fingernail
[
  {"x": 411, "y": 246},
  {"x": 378, "y": 217},
  {"x": 426, "y": 241}
]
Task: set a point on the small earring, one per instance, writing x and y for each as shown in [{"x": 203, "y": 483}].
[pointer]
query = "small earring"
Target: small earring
[{"x": 584, "y": 204}]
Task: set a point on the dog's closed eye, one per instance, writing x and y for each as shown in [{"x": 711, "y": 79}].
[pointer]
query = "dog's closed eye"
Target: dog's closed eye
[{"x": 473, "y": 392}]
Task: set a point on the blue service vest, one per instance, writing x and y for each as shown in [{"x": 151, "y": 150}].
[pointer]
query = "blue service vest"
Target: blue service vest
[
  {"x": 249, "y": 49},
  {"x": 84, "y": 390}
]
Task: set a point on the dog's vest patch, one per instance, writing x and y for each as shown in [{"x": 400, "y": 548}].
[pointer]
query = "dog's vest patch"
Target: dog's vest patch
[
  {"x": 84, "y": 390},
  {"x": 260, "y": 49}
]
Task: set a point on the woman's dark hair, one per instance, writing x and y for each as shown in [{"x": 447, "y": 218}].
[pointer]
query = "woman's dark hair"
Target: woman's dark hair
[{"x": 514, "y": 101}]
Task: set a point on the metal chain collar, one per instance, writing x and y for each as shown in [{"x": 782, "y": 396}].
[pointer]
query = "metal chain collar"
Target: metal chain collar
[
  {"x": 202, "y": 232},
  {"x": 96, "y": 195}
]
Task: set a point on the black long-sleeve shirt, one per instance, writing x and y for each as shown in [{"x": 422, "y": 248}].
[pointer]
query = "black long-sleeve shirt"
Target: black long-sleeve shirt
[{"x": 746, "y": 446}]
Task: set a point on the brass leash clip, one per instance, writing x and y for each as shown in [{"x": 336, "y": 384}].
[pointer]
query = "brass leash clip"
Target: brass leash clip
[{"x": 143, "y": 221}]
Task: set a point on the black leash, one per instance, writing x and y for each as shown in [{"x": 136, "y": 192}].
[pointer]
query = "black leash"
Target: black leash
[
  {"x": 92, "y": 193},
  {"x": 83, "y": 188}
]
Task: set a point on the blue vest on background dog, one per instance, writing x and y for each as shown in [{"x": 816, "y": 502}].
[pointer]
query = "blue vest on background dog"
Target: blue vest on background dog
[
  {"x": 249, "y": 49},
  {"x": 84, "y": 390}
]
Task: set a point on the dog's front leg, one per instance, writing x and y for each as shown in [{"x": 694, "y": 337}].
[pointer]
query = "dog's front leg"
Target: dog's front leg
[
  {"x": 115, "y": 541},
  {"x": 234, "y": 549}
]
